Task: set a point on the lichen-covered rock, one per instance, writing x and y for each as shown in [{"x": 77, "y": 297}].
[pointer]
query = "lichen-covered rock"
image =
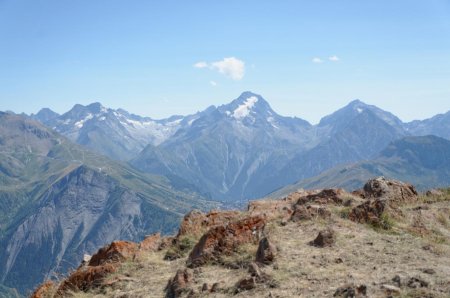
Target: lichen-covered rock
[
  {"x": 195, "y": 223},
  {"x": 86, "y": 278},
  {"x": 395, "y": 192},
  {"x": 368, "y": 212},
  {"x": 223, "y": 240},
  {"x": 151, "y": 243},
  {"x": 115, "y": 252}
]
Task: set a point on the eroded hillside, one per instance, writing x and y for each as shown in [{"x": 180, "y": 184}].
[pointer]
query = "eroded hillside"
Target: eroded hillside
[{"x": 381, "y": 241}]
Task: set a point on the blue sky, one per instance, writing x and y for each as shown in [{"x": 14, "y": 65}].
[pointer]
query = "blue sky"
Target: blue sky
[{"x": 307, "y": 58}]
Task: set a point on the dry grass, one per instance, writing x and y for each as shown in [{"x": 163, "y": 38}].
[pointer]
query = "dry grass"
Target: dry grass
[{"x": 417, "y": 239}]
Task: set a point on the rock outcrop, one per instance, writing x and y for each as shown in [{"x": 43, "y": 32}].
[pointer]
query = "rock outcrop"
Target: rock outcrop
[
  {"x": 381, "y": 195},
  {"x": 223, "y": 240},
  {"x": 264, "y": 250}
]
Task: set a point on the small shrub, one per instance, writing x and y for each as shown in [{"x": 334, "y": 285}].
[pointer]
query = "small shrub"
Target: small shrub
[
  {"x": 345, "y": 212},
  {"x": 385, "y": 223},
  {"x": 180, "y": 249}
]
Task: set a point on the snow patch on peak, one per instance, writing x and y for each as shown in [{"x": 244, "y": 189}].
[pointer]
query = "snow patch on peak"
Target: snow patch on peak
[
  {"x": 80, "y": 123},
  {"x": 359, "y": 110},
  {"x": 243, "y": 110}
]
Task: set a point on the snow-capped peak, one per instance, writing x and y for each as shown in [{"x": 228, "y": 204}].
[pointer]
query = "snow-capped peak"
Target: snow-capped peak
[{"x": 244, "y": 109}]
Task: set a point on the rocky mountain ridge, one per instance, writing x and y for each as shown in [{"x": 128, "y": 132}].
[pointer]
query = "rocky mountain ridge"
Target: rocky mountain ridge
[
  {"x": 241, "y": 150},
  {"x": 383, "y": 240},
  {"x": 59, "y": 200}
]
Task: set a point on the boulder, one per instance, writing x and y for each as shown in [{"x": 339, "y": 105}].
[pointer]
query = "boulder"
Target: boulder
[
  {"x": 266, "y": 252},
  {"x": 115, "y": 252},
  {"x": 180, "y": 283},
  {"x": 195, "y": 223},
  {"x": 151, "y": 243},
  {"x": 325, "y": 238},
  {"x": 86, "y": 278},
  {"x": 368, "y": 212},
  {"x": 395, "y": 192},
  {"x": 225, "y": 239},
  {"x": 307, "y": 212}
]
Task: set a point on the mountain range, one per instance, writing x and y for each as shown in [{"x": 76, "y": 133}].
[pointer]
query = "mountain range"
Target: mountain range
[
  {"x": 59, "y": 201},
  {"x": 241, "y": 150},
  {"x": 423, "y": 160},
  {"x": 71, "y": 183}
]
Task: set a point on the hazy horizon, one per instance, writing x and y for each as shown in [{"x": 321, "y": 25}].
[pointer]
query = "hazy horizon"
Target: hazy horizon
[{"x": 163, "y": 58}]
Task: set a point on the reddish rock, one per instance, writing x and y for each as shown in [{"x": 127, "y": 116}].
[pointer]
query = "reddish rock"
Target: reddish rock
[
  {"x": 307, "y": 212},
  {"x": 225, "y": 239},
  {"x": 86, "y": 278},
  {"x": 324, "y": 239},
  {"x": 151, "y": 243},
  {"x": 180, "y": 283},
  {"x": 266, "y": 252},
  {"x": 195, "y": 223},
  {"x": 324, "y": 197},
  {"x": 115, "y": 252},
  {"x": 368, "y": 212},
  {"x": 43, "y": 290}
]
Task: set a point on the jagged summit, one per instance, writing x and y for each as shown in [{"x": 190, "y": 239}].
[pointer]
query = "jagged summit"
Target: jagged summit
[{"x": 248, "y": 104}]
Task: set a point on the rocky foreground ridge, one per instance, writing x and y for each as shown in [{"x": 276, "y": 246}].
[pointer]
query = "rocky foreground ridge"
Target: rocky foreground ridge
[{"x": 384, "y": 240}]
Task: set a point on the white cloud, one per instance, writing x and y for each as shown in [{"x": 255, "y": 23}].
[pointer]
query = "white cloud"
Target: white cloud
[
  {"x": 214, "y": 84},
  {"x": 201, "y": 64},
  {"x": 334, "y": 58},
  {"x": 317, "y": 60},
  {"x": 230, "y": 67}
]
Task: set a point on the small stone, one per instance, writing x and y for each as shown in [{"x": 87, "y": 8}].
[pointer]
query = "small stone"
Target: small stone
[
  {"x": 390, "y": 289},
  {"x": 429, "y": 271},
  {"x": 397, "y": 280},
  {"x": 215, "y": 287},
  {"x": 205, "y": 287},
  {"x": 415, "y": 282},
  {"x": 325, "y": 238},
  {"x": 246, "y": 284}
]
